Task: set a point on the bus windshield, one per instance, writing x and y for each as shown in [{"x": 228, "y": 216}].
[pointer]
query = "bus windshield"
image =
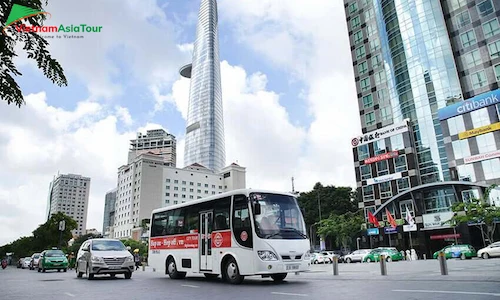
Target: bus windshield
[{"x": 279, "y": 218}]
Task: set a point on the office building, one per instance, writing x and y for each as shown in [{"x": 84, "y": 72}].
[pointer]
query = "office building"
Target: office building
[
  {"x": 205, "y": 122},
  {"x": 156, "y": 141},
  {"x": 69, "y": 194},
  {"x": 109, "y": 211},
  {"x": 412, "y": 61},
  {"x": 149, "y": 183}
]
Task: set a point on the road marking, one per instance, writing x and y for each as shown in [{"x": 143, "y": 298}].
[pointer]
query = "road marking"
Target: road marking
[
  {"x": 448, "y": 292},
  {"x": 69, "y": 294},
  {"x": 289, "y": 294},
  {"x": 191, "y": 286}
]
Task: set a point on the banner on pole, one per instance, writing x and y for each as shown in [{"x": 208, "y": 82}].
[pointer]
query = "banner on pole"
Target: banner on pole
[{"x": 408, "y": 228}]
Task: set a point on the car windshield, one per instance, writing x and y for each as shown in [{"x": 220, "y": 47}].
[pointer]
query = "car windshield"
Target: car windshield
[
  {"x": 280, "y": 217},
  {"x": 109, "y": 245},
  {"x": 36, "y": 256},
  {"x": 27, "y": 258},
  {"x": 54, "y": 253}
]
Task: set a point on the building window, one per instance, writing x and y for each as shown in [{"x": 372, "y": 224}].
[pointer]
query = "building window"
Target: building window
[
  {"x": 368, "y": 193},
  {"x": 168, "y": 187},
  {"x": 191, "y": 197},
  {"x": 176, "y": 195},
  {"x": 358, "y": 36},
  {"x": 370, "y": 119},
  {"x": 206, "y": 185},
  {"x": 367, "y": 101},
  {"x": 385, "y": 113},
  {"x": 355, "y": 22},
  {"x": 466, "y": 173},
  {"x": 379, "y": 77},
  {"x": 486, "y": 143},
  {"x": 353, "y": 7},
  {"x": 362, "y": 68},
  {"x": 365, "y": 84},
  {"x": 463, "y": 19},
  {"x": 183, "y": 189},
  {"x": 175, "y": 202},
  {"x": 366, "y": 172},
  {"x": 397, "y": 142},
  {"x": 468, "y": 38},
  {"x": 480, "y": 117},
  {"x": 400, "y": 163},
  {"x": 497, "y": 72},
  {"x": 363, "y": 152},
  {"x": 405, "y": 206},
  {"x": 485, "y": 8},
  {"x": 198, "y": 191},
  {"x": 167, "y": 194},
  {"x": 360, "y": 52},
  {"x": 383, "y": 95},
  {"x": 176, "y": 188},
  {"x": 456, "y": 125},
  {"x": 371, "y": 29},
  {"x": 385, "y": 190},
  {"x": 491, "y": 28},
  {"x": 403, "y": 184},
  {"x": 183, "y": 182},
  {"x": 461, "y": 148},
  {"x": 379, "y": 147},
  {"x": 168, "y": 180},
  {"x": 494, "y": 49},
  {"x": 191, "y": 183},
  {"x": 369, "y": 14},
  {"x": 183, "y": 196},
  {"x": 478, "y": 79},
  {"x": 176, "y": 181},
  {"x": 382, "y": 168},
  {"x": 374, "y": 45},
  {"x": 473, "y": 58},
  {"x": 456, "y": 4},
  {"x": 491, "y": 168},
  {"x": 469, "y": 195},
  {"x": 376, "y": 61},
  {"x": 199, "y": 184}
]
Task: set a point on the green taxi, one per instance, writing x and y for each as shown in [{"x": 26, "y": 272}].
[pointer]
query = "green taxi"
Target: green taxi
[
  {"x": 391, "y": 254},
  {"x": 53, "y": 259},
  {"x": 459, "y": 251}
]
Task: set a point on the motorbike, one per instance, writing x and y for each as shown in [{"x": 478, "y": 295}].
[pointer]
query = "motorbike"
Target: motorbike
[{"x": 4, "y": 264}]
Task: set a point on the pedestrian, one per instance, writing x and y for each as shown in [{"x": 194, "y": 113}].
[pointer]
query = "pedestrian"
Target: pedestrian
[
  {"x": 71, "y": 260},
  {"x": 408, "y": 255},
  {"x": 137, "y": 259},
  {"x": 414, "y": 254}
]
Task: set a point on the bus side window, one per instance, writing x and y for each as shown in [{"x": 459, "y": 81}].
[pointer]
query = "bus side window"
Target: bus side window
[
  {"x": 241, "y": 221},
  {"x": 192, "y": 219},
  {"x": 221, "y": 214}
]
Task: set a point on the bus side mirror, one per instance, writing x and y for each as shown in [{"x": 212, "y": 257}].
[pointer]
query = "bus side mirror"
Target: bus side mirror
[{"x": 256, "y": 208}]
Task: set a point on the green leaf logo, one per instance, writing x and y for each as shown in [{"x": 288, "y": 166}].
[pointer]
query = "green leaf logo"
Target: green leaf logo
[{"x": 20, "y": 12}]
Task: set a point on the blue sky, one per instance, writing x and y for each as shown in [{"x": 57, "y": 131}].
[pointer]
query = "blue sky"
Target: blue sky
[{"x": 289, "y": 98}]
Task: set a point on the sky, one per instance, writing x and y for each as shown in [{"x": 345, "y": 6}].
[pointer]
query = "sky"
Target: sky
[{"x": 289, "y": 98}]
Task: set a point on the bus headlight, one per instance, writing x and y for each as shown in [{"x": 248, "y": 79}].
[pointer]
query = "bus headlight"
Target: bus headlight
[
  {"x": 307, "y": 256},
  {"x": 267, "y": 255}
]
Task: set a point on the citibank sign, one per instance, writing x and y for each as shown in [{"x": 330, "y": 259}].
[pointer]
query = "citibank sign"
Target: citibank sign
[
  {"x": 475, "y": 103},
  {"x": 381, "y": 133}
]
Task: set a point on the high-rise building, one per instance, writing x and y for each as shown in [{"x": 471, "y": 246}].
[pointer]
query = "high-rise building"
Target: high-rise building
[
  {"x": 205, "y": 122},
  {"x": 109, "y": 211},
  {"x": 69, "y": 194},
  {"x": 156, "y": 141},
  {"x": 149, "y": 183},
  {"x": 415, "y": 62}
]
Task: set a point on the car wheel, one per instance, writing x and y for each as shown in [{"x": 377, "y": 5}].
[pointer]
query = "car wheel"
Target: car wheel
[
  {"x": 485, "y": 255},
  {"x": 389, "y": 259},
  {"x": 65, "y": 270},
  {"x": 462, "y": 256},
  {"x": 279, "y": 277},
  {"x": 43, "y": 270},
  {"x": 172, "y": 270},
  {"x": 348, "y": 260},
  {"x": 232, "y": 272},
  {"x": 90, "y": 276},
  {"x": 368, "y": 260},
  {"x": 58, "y": 270},
  {"x": 38, "y": 270},
  {"x": 128, "y": 275}
]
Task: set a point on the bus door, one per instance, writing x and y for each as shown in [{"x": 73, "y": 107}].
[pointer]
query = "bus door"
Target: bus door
[{"x": 206, "y": 218}]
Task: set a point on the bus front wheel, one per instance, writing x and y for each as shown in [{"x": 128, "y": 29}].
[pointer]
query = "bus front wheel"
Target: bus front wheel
[
  {"x": 279, "y": 277},
  {"x": 232, "y": 272},
  {"x": 172, "y": 270}
]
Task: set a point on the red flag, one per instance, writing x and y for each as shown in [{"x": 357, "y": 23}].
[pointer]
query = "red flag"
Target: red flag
[
  {"x": 372, "y": 219},
  {"x": 390, "y": 219}
]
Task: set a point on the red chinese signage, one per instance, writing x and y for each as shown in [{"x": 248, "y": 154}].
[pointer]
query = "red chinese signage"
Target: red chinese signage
[
  {"x": 220, "y": 239},
  {"x": 445, "y": 236},
  {"x": 381, "y": 157}
]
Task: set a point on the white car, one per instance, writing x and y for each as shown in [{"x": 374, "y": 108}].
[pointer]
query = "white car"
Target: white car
[
  {"x": 358, "y": 255},
  {"x": 318, "y": 258},
  {"x": 26, "y": 262},
  {"x": 492, "y": 250}
]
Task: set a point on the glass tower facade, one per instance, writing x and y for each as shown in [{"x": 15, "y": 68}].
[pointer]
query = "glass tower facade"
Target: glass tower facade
[{"x": 205, "y": 121}]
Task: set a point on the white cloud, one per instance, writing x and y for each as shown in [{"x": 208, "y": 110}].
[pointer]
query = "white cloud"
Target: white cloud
[{"x": 124, "y": 115}]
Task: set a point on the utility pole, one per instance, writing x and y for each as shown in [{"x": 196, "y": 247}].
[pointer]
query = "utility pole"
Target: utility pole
[
  {"x": 62, "y": 226},
  {"x": 293, "y": 187},
  {"x": 319, "y": 206}
]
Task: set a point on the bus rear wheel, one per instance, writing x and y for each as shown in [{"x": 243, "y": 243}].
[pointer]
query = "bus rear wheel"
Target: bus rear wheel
[
  {"x": 279, "y": 277},
  {"x": 232, "y": 272},
  {"x": 172, "y": 270}
]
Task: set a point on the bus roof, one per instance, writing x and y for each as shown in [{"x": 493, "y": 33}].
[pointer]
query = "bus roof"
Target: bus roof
[{"x": 217, "y": 196}]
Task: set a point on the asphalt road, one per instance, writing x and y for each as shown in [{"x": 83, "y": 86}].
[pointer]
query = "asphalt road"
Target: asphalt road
[{"x": 473, "y": 279}]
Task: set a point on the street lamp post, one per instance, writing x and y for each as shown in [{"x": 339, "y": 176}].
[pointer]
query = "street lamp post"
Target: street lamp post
[{"x": 357, "y": 241}]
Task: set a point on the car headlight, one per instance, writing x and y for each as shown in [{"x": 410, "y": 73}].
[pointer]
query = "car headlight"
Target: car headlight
[
  {"x": 97, "y": 259},
  {"x": 267, "y": 255},
  {"x": 129, "y": 259},
  {"x": 307, "y": 255}
]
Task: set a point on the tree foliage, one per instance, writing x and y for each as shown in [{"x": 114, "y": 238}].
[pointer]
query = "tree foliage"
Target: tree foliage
[
  {"x": 34, "y": 45},
  {"x": 341, "y": 227},
  {"x": 133, "y": 244},
  {"x": 478, "y": 212},
  {"x": 336, "y": 200},
  {"x": 79, "y": 241}
]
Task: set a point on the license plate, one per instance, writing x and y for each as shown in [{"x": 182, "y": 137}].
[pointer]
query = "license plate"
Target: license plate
[
  {"x": 292, "y": 267},
  {"x": 115, "y": 267}
]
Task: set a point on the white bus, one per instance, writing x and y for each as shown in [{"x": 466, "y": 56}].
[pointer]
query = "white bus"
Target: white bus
[{"x": 234, "y": 234}]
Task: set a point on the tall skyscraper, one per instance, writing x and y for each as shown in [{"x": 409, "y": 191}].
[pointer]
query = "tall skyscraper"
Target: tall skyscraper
[
  {"x": 416, "y": 63},
  {"x": 109, "y": 211},
  {"x": 69, "y": 194},
  {"x": 205, "y": 121}
]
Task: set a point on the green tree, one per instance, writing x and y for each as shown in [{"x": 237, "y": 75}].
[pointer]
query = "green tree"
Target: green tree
[
  {"x": 34, "y": 45},
  {"x": 342, "y": 227},
  {"x": 79, "y": 241},
  {"x": 47, "y": 234},
  {"x": 478, "y": 212}
]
